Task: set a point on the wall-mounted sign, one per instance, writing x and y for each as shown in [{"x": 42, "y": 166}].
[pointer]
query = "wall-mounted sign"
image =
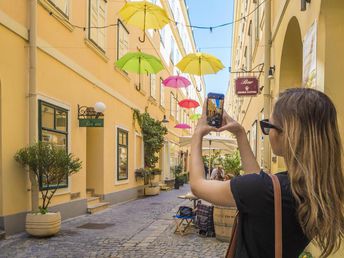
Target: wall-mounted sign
[
  {"x": 246, "y": 86},
  {"x": 89, "y": 122},
  {"x": 88, "y": 117}
]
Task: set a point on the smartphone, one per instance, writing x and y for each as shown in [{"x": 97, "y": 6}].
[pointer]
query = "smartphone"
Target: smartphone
[{"x": 215, "y": 109}]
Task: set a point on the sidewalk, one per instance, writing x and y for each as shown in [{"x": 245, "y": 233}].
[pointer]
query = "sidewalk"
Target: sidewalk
[{"x": 139, "y": 228}]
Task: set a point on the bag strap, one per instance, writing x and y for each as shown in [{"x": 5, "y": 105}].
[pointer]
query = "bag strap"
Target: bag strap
[{"x": 278, "y": 215}]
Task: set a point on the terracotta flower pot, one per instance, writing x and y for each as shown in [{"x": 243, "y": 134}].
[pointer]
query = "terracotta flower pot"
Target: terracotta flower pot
[{"x": 43, "y": 225}]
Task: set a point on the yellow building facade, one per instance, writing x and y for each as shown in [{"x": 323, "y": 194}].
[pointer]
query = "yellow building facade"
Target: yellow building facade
[
  {"x": 299, "y": 44},
  {"x": 54, "y": 59}
]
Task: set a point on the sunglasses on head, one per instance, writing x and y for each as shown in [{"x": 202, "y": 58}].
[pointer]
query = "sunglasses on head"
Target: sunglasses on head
[{"x": 265, "y": 125}]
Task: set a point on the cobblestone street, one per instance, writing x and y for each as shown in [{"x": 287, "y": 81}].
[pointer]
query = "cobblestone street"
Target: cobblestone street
[{"x": 139, "y": 228}]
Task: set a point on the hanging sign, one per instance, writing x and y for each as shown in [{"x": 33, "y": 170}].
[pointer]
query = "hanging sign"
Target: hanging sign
[
  {"x": 246, "y": 86},
  {"x": 89, "y": 122}
]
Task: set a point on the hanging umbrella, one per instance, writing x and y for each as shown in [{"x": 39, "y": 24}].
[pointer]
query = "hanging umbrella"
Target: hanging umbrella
[
  {"x": 188, "y": 103},
  {"x": 176, "y": 82},
  {"x": 138, "y": 62},
  {"x": 195, "y": 117},
  {"x": 144, "y": 15},
  {"x": 200, "y": 64},
  {"x": 183, "y": 126}
]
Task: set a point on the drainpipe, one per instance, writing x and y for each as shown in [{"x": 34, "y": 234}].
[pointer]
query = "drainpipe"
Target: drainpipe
[
  {"x": 32, "y": 95},
  {"x": 267, "y": 95}
]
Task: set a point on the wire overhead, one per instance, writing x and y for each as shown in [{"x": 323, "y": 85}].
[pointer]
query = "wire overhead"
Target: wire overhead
[{"x": 210, "y": 28}]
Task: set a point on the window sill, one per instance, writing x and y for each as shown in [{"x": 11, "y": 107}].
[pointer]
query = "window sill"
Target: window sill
[
  {"x": 96, "y": 50},
  {"x": 57, "y": 14},
  {"x": 152, "y": 100},
  {"x": 121, "y": 72},
  {"x": 141, "y": 91},
  {"x": 124, "y": 182}
]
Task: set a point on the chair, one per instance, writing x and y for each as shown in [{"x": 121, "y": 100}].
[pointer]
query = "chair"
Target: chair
[{"x": 185, "y": 215}]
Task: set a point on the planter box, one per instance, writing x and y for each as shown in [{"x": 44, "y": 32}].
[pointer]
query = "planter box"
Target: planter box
[
  {"x": 43, "y": 225},
  {"x": 152, "y": 190},
  {"x": 169, "y": 182}
]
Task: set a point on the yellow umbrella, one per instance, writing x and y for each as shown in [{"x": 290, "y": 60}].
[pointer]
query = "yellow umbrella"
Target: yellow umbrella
[
  {"x": 144, "y": 15},
  {"x": 200, "y": 64}
]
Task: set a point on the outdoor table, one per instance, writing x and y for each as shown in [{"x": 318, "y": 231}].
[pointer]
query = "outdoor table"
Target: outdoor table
[{"x": 190, "y": 197}]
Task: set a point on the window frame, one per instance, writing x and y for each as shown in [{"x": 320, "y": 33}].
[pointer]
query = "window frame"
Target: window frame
[
  {"x": 120, "y": 23},
  {"x": 162, "y": 93},
  {"x": 41, "y": 128},
  {"x": 121, "y": 130},
  {"x": 89, "y": 26},
  {"x": 66, "y": 15},
  {"x": 151, "y": 76}
]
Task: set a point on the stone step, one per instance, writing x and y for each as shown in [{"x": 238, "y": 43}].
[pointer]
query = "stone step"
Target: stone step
[
  {"x": 89, "y": 193},
  {"x": 2, "y": 234},
  {"x": 97, "y": 207},
  {"x": 93, "y": 200}
]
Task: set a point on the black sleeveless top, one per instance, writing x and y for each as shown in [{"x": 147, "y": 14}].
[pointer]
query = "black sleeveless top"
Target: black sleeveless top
[{"x": 253, "y": 194}]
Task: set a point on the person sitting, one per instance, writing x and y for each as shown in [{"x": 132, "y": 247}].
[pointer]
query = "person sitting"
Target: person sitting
[{"x": 217, "y": 173}]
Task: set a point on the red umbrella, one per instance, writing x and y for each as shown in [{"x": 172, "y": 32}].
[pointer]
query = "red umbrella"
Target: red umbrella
[
  {"x": 183, "y": 126},
  {"x": 188, "y": 103}
]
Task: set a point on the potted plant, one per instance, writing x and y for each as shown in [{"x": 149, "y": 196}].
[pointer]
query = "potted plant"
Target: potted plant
[
  {"x": 232, "y": 164},
  {"x": 223, "y": 215},
  {"x": 177, "y": 172},
  {"x": 50, "y": 165},
  {"x": 153, "y": 133}
]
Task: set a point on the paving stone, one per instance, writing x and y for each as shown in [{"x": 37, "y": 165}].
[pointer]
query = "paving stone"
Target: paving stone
[{"x": 142, "y": 228}]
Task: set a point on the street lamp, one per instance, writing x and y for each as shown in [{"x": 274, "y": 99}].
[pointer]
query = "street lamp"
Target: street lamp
[
  {"x": 164, "y": 120},
  {"x": 271, "y": 72}
]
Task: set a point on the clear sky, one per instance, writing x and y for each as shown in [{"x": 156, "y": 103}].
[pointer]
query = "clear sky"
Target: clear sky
[{"x": 210, "y": 13}]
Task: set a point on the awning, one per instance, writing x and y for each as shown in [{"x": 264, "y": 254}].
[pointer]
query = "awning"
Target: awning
[{"x": 212, "y": 142}]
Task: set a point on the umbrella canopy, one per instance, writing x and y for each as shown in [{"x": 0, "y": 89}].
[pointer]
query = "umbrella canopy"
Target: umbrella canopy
[
  {"x": 139, "y": 62},
  {"x": 195, "y": 117},
  {"x": 183, "y": 126},
  {"x": 176, "y": 82},
  {"x": 200, "y": 64},
  {"x": 144, "y": 15},
  {"x": 188, "y": 103}
]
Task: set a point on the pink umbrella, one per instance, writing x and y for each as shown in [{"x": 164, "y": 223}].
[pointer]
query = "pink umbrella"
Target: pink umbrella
[
  {"x": 188, "y": 103},
  {"x": 183, "y": 126},
  {"x": 176, "y": 82}
]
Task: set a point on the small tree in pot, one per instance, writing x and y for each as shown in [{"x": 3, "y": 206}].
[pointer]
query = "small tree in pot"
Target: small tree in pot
[
  {"x": 153, "y": 133},
  {"x": 50, "y": 165}
]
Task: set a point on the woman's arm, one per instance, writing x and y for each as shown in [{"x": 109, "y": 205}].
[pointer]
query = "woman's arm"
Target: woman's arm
[
  {"x": 217, "y": 192},
  {"x": 213, "y": 191}
]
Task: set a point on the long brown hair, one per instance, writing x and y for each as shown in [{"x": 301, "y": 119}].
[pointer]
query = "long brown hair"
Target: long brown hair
[{"x": 313, "y": 155}]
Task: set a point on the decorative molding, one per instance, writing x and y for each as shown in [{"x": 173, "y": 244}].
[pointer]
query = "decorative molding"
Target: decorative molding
[{"x": 14, "y": 26}]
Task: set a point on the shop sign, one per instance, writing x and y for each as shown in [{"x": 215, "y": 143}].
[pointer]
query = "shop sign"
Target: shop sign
[
  {"x": 91, "y": 122},
  {"x": 246, "y": 86}
]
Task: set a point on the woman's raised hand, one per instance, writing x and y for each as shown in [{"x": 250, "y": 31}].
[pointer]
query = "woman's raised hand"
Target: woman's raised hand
[
  {"x": 229, "y": 124},
  {"x": 202, "y": 127}
]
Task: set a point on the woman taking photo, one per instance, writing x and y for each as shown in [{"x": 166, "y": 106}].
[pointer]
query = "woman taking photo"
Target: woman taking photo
[{"x": 303, "y": 129}]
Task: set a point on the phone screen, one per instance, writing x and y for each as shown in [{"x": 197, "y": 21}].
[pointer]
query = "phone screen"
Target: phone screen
[{"x": 215, "y": 109}]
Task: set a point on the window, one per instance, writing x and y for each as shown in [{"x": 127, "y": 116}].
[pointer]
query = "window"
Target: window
[
  {"x": 52, "y": 127},
  {"x": 257, "y": 20},
  {"x": 254, "y": 138},
  {"x": 162, "y": 36},
  {"x": 122, "y": 154},
  {"x": 152, "y": 79},
  {"x": 162, "y": 93},
  {"x": 122, "y": 40},
  {"x": 97, "y": 18},
  {"x": 62, "y": 6},
  {"x": 172, "y": 104},
  {"x": 172, "y": 51},
  {"x": 178, "y": 113}
]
